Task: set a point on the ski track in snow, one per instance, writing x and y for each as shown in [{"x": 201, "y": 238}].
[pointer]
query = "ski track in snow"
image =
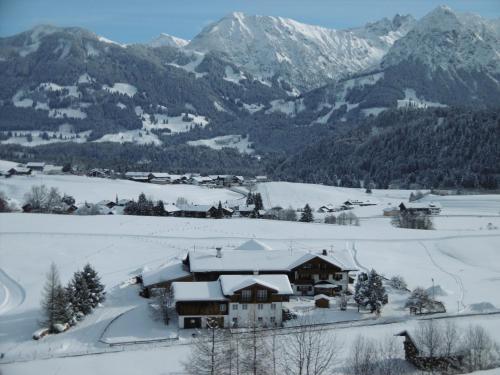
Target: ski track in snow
[
  {"x": 454, "y": 276},
  {"x": 14, "y": 294}
]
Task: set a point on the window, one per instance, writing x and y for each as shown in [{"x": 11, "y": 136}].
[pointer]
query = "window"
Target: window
[
  {"x": 261, "y": 294},
  {"x": 235, "y": 306},
  {"x": 273, "y": 306},
  {"x": 338, "y": 276},
  {"x": 259, "y": 319},
  {"x": 260, "y": 306},
  {"x": 244, "y": 306},
  {"x": 235, "y": 322},
  {"x": 222, "y": 308},
  {"x": 246, "y": 295},
  {"x": 323, "y": 276},
  {"x": 273, "y": 319},
  {"x": 307, "y": 266}
]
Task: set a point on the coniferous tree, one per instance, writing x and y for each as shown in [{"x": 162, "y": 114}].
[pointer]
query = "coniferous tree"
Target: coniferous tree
[
  {"x": 94, "y": 285},
  {"x": 361, "y": 290},
  {"x": 259, "y": 205},
  {"x": 219, "y": 214},
  {"x": 54, "y": 301},
  {"x": 376, "y": 295},
  {"x": 250, "y": 199},
  {"x": 159, "y": 209},
  {"x": 83, "y": 297},
  {"x": 307, "y": 215}
]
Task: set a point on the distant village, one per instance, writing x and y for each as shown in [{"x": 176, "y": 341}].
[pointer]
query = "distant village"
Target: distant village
[{"x": 252, "y": 207}]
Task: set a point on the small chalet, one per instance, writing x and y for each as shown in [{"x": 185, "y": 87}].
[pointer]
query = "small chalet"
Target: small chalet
[
  {"x": 232, "y": 301},
  {"x": 322, "y": 301},
  {"x": 20, "y": 171},
  {"x": 425, "y": 208},
  {"x": 244, "y": 210},
  {"x": 100, "y": 172},
  {"x": 106, "y": 203},
  {"x": 418, "y": 356},
  {"x": 36, "y": 166},
  {"x": 139, "y": 176},
  {"x": 202, "y": 211},
  {"x": 160, "y": 178}
]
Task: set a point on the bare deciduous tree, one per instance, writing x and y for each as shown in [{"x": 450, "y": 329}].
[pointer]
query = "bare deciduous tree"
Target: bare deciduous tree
[
  {"x": 481, "y": 351},
  {"x": 309, "y": 351},
  {"x": 363, "y": 357}
]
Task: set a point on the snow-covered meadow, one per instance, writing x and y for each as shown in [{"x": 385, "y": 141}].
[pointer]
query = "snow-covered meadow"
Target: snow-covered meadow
[{"x": 460, "y": 256}]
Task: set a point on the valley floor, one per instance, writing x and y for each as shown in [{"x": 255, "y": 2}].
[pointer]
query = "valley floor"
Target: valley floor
[{"x": 460, "y": 256}]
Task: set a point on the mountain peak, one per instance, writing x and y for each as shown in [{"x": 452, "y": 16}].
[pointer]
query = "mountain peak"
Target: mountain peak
[{"x": 167, "y": 40}]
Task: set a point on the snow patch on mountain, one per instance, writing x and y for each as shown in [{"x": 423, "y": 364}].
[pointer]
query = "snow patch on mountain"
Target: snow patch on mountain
[
  {"x": 136, "y": 136},
  {"x": 121, "y": 88},
  {"x": 67, "y": 113},
  {"x": 190, "y": 67},
  {"x": 233, "y": 76},
  {"x": 412, "y": 101},
  {"x": 252, "y": 108},
  {"x": 226, "y": 141}
]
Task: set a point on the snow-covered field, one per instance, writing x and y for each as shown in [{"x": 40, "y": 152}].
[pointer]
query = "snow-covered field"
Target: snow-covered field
[
  {"x": 90, "y": 189},
  {"x": 461, "y": 256}
]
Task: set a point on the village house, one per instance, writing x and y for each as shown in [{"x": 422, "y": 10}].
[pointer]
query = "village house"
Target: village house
[
  {"x": 425, "y": 208},
  {"x": 19, "y": 171},
  {"x": 160, "y": 178},
  {"x": 202, "y": 211},
  {"x": 100, "y": 172},
  {"x": 36, "y": 166},
  {"x": 420, "y": 357},
  {"x": 232, "y": 301},
  {"x": 309, "y": 273},
  {"x": 139, "y": 176}
]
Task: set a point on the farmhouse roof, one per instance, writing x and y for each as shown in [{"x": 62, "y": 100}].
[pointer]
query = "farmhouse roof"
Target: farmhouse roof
[
  {"x": 249, "y": 260},
  {"x": 253, "y": 245},
  {"x": 198, "y": 291},
  {"x": 233, "y": 283},
  {"x": 165, "y": 273}
]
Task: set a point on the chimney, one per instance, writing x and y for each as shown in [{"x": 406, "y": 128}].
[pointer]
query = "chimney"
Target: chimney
[
  {"x": 219, "y": 252},
  {"x": 324, "y": 252}
]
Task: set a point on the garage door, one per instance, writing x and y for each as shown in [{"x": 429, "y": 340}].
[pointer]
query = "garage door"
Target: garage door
[{"x": 192, "y": 322}]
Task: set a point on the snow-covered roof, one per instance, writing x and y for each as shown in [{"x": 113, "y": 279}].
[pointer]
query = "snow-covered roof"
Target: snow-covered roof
[
  {"x": 253, "y": 245},
  {"x": 196, "y": 208},
  {"x": 249, "y": 261},
  {"x": 160, "y": 175},
  {"x": 232, "y": 283},
  {"x": 197, "y": 291},
  {"x": 171, "y": 208},
  {"x": 137, "y": 174},
  {"x": 321, "y": 296},
  {"x": 34, "y": 164},
  {"x": 165, "y": 273},
  {"x": 21, "y": 169}
]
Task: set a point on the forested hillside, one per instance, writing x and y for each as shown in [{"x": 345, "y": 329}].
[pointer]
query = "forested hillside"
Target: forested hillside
[{"x": 408, "y": 148}]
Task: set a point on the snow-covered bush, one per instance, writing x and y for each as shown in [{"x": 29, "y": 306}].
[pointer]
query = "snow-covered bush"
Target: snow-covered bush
[{"x": 398, "y": 282}]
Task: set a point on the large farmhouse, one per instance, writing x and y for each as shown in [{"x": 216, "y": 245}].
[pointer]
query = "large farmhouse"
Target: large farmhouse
[
  {"x": 209, "y": 284},
  {"x": 232, "y": 301}
]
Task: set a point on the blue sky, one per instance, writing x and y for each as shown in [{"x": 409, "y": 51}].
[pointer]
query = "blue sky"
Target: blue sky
[{"x": 129, "y": 21}]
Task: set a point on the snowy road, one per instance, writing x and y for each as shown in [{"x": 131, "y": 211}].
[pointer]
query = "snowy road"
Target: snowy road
[{"x": 11, "y": 293}]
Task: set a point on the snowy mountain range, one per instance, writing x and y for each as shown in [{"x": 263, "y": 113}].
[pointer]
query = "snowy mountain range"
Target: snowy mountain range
[
  {"x": 305, "y": 56},
  {"x": 268, "y": 78}
]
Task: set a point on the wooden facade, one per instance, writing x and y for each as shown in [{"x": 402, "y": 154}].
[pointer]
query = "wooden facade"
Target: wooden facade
[
  {"x": 197, "y": 308},
  {"x": 255, "y": 294}
]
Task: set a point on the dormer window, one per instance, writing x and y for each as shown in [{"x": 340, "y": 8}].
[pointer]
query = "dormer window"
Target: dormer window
[
  {"x": 246, "y": 295},
  {"x": 262, "y": 295}
]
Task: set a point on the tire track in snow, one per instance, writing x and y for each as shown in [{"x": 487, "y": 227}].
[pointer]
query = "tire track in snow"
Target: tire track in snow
[
  {"x": 13, "y": 292},
  {"x": 454, "y": 276}
]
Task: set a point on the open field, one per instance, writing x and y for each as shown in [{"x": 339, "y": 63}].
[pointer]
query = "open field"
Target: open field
[{"x": 461, "y": 255}]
